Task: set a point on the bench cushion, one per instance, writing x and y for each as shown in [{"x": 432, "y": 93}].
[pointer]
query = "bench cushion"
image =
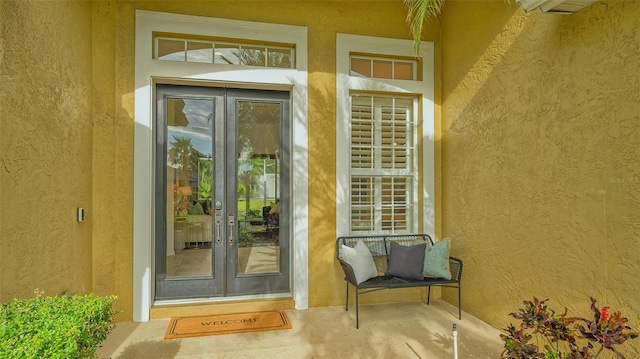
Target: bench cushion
[
  {"x": 360, "y": 259},
  {"x": 436, "y": 261},
  {"x": 406, "y": 261}
]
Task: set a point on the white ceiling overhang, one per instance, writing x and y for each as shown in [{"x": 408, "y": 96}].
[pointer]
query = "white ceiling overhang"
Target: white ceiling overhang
[{"x": 555, "y": 6}]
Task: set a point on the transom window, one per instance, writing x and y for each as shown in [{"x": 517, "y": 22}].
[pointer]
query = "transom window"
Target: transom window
[
  {"x": 223, "y": 52},
  {"x": 382, "y": 163},
  {"x": 383, "y": 67}
]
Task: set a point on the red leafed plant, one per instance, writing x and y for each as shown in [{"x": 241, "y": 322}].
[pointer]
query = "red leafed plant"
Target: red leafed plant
[{"x": 546, "y": 335}]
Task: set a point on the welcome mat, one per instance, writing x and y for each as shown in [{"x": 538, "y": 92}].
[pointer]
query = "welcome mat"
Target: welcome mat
[{"x": 198, "y": 326}]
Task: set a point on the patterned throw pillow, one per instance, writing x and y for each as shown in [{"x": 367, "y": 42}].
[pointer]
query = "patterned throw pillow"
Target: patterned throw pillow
[{"x": 436, "y": 261}]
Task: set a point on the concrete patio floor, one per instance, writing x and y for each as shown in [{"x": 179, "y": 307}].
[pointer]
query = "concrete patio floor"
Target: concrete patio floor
[{"x": 398, "y": 330}]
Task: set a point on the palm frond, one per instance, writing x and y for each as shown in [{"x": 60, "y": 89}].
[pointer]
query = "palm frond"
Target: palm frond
[{"x": 418, "y": 12}]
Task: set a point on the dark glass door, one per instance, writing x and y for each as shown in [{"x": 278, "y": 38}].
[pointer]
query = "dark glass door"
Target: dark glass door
[{"x": 221, "y": 194}]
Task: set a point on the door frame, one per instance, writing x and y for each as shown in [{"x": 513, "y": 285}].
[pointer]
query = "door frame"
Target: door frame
[
  {"x": 225, "y": 281},
  {"x": 149, "y": 72}
]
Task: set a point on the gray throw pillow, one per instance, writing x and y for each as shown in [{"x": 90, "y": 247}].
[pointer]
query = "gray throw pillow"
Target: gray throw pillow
[{"x": 406, "y": 261}]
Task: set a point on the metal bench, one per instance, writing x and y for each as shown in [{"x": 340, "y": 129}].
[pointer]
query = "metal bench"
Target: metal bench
[{"x": 379, "y": 246}]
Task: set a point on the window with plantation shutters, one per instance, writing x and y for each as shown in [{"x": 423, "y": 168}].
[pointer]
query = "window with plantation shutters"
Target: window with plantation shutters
[
  {"x": 385, "y": 136},
  {"x": 382, "y": 164}
]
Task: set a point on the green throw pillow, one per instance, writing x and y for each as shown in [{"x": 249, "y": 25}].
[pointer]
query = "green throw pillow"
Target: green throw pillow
[{"x": 436, "y": 261}]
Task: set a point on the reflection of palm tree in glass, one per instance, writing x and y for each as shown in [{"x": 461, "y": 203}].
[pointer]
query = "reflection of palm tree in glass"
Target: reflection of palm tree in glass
[
  {"x": 205, "y": 177},
  {"x": 249, "y": 171},
  {"x": 279, "y": 59},
  {"x": 183, "y": 156},
  {"x": 259, "y": 125},
  {"x": 251, "y": 56}
]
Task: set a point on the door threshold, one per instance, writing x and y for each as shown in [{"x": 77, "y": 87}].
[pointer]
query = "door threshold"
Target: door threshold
[{"x": 212, "y": 306}]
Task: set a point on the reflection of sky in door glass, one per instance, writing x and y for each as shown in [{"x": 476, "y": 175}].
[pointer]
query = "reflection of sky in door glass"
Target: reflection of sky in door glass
[
  {"x": 199, "y": 52},
  {"x": 202, "y": 55},
  {"x": 176, "y": 56},
  {"x": 199, "y": 113}
]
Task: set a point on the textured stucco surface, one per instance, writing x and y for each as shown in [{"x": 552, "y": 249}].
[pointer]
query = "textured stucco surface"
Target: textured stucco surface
[
  {"x": 72, "y": 63},
  {"x": 45, "y": 147},
  {"x": 540, "y": 156},
  {"x": 539, "y": 146},
  {"x": 112, "y": 155},
  {"x": 323, "y": 19}
]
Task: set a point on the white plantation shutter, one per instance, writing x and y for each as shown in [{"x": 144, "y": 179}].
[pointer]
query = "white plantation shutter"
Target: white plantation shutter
[
  {"x": 362, "y": 204},
  {"x": 382, "y": 164},
  {"x": 362, "y": 132}
]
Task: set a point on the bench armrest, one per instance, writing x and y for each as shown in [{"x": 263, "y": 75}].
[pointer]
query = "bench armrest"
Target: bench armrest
[
  {"x": 350, "y": 275},
  {"x": 455, "y": 267}
]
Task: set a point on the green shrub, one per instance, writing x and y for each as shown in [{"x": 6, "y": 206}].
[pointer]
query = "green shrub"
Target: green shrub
[{"x": 55, "y": 327}]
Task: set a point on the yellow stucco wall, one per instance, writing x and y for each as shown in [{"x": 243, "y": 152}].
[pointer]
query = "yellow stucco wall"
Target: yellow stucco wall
[
  {"x": 324, "y": 19},
  {"x": 541, "y": 156},
  {"x": 539, "y": 146},
  {"x": 67, "y": 136},
  {"x": 45, "y": 148},
  {"x": 113, "y": 68}
]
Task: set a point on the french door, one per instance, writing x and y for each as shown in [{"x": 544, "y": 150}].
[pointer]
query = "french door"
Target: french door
[{"x": 221, "y": 192}]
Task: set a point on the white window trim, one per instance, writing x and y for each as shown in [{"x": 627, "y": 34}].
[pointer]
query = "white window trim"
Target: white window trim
[
  {"x": 346, "y": 44},
  {"x": 148, "y": 70}
]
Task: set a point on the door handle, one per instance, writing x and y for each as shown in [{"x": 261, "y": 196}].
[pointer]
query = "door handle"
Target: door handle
[
  {"x": 218, "y": 226},
  {"x": 231, "y": 221}
]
